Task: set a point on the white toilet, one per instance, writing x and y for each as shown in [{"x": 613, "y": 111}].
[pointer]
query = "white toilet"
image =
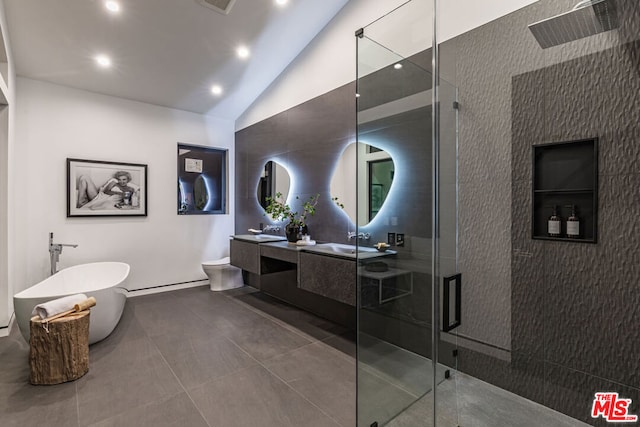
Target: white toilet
[{"x": 222, "y": 275}]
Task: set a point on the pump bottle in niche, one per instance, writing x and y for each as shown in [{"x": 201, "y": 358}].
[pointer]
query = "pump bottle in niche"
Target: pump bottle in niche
[
  {"x": 554, "y": 223},
  {"x": 573, "y": 224}
]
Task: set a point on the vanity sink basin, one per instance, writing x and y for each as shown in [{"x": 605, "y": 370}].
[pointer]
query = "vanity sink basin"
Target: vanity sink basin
[
  {"x": 259, "y": 238},
  {"x": 346, "y": 251}
]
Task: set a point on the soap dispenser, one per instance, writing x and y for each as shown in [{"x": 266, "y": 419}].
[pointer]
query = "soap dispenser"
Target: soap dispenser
[
  {"x": 573, "y": 224},
  {"x": 554, "y": 223}
]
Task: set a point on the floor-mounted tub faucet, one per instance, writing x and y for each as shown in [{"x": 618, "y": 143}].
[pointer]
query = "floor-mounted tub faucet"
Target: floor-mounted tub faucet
[{"x": 55, "y": 249}]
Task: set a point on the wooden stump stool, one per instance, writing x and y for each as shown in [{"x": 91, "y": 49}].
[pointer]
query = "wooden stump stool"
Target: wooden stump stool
[{"x": 62, "y": 353}]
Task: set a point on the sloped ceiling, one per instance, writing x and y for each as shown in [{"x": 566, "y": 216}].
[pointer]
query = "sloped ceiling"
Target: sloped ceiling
[{"x": 164, "y": 52}]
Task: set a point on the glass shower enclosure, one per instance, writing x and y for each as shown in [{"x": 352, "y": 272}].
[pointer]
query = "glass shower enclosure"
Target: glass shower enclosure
[
  {"x": 398, "y": 306},
  {"x": 508, "y": 294}
]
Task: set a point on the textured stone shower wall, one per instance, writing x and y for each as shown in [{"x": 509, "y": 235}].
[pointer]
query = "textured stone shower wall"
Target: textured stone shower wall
[
  {"x": 575, "y": 309},
  {"x": 568, "y": 311}
]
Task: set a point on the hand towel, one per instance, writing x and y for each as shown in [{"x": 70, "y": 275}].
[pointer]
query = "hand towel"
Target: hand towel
[
  {"x": 306, "y": 242},
  {"x": 57, "y": 306}
]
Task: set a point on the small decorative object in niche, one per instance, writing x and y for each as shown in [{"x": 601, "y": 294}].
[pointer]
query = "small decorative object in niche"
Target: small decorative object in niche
[
  {"x": 99, "y": 188},
  {"x": 193, "y": 165},
  {"x": 202, "y": 180}
]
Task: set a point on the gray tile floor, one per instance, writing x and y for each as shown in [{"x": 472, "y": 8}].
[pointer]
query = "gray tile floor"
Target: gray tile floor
[
  {"x": 237, "y": 358},
  {"x": 195, "y": 358}
]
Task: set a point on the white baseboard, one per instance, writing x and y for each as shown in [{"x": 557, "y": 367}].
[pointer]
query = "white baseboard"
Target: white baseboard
[
  {"x": 166, "y": 288},
  {"x": 5, "y": 332}
]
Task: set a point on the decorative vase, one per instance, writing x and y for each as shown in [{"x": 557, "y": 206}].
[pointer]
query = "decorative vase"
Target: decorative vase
[{"x": 292, "y": 232}]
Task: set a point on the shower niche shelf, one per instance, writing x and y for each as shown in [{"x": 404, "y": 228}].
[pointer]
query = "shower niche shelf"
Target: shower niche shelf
[{"x": 565, "y": 174}]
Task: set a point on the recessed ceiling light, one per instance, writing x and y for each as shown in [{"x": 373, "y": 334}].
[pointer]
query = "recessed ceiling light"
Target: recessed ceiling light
[
  {"x": 112, "y": 6},
  {"x": 103, "y": 60},
  {"x": 216, "y": 90},
  {"x": 243, "y": 52},
  {"x": 281, "y": 2},
  {"x": 397, "y": 66}
]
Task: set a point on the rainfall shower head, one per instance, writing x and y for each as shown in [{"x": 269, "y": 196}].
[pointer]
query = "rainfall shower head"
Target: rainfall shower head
[{"x": 587, "y": 18}]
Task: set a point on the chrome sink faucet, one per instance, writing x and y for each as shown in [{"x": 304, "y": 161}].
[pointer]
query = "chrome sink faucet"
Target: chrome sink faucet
[
  {"x": 361, "y": 235},
  {"x": 271, "y": 228},
  {"x": 55, "y": 249}
]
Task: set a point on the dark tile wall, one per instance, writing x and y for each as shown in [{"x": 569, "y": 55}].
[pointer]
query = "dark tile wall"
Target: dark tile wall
[
  {"x": 567, "y": 312},
  {"x": 308, "y": 139}
]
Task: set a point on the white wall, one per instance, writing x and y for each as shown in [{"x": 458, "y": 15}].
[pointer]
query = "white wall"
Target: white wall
[
  {"x": 7, "y": 235},
  {"x": 329, "y": 61},
  {"x": 326, "y": 63},
  {"x": 55, "y": 123}
]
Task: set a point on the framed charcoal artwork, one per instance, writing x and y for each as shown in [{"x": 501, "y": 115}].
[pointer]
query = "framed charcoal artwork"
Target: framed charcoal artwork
[{"x": 99, "y": 188}]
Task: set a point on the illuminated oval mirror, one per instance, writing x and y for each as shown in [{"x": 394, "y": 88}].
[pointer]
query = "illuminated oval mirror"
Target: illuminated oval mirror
[
  {"x": 200, "y": 193},
  {"x": 376, "y": 170},
  {"x": 274, "y": 179}
]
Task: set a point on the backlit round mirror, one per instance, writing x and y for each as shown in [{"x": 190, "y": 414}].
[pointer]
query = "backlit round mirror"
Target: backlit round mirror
[
  {"x": 200, "y": 193},
  {"x": 376, "y": 171},
  {"x": 274, "y": 179}
]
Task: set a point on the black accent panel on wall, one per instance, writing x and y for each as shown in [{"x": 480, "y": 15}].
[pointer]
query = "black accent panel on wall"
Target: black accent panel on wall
[{"x": 574, "y": 306}]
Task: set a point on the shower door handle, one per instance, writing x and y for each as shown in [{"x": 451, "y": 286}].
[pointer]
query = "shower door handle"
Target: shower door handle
[{"x": 449, "y": 324}]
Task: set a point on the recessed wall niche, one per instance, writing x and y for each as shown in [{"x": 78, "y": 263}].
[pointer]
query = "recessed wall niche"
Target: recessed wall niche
[
  {"x": 202, "y": 180},
  {"x": 565, "y": 191}
]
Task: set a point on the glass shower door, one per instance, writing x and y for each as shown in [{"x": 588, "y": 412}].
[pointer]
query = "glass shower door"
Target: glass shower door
[
  {"x": 447, "y": 275},
  {"x": 396, "y": 369}
]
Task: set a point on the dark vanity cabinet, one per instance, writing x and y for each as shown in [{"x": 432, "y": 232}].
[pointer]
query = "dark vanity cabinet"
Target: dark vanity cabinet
[
  {"x": 245, "y": 255},
  {"x": 330, "y": 277},
  {"x": 565, "y": 180},
  {"x": 321, "y": 284}
]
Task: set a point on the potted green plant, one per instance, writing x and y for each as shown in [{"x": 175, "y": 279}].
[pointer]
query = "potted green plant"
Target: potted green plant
[{"x": 278, "y": 209}]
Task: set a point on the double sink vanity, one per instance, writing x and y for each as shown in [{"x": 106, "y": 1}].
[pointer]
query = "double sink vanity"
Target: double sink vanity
[{"x": 320, "y": 278}]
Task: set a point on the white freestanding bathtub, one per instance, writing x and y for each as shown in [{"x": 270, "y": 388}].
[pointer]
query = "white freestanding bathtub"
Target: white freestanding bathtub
[{"x": 102, "y": 280}]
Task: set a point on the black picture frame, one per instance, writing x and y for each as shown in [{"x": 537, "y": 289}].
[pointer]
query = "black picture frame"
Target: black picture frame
[{"x": 94, "y": 191}]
